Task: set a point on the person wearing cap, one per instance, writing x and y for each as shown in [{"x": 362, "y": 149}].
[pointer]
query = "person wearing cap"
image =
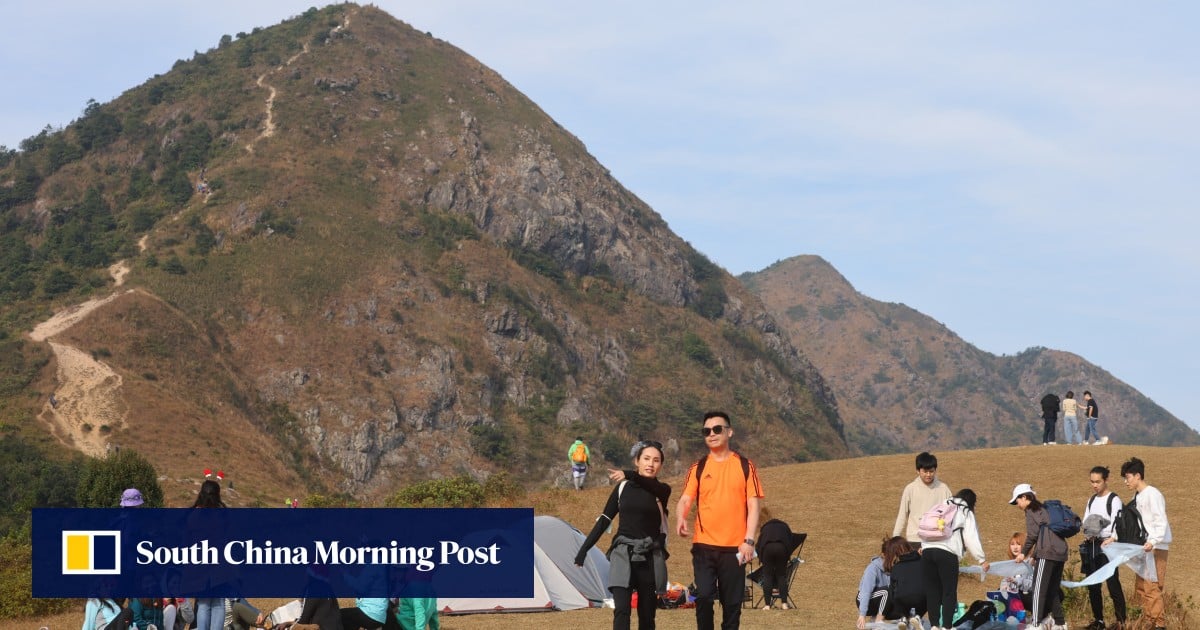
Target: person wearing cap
[
  {"x": 132, "y": 497},
  {"x": 1050, "y": 551}
]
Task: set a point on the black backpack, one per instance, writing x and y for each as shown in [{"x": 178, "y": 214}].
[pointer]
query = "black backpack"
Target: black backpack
[
  {"x": 980, "y": 612},
  {"x": 1128, "y": 524},
  {"x": 907, "y": 586}
]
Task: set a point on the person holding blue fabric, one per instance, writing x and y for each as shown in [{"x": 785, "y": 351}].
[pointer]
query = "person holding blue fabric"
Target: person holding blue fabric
[{"x": 638, "y": 555}]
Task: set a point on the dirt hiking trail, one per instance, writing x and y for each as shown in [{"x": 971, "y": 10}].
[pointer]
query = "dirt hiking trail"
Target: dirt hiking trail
[{"x": 87, "y": 403}]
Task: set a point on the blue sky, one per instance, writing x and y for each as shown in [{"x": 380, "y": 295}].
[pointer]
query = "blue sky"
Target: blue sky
[{"x": 1017, "y": 171}]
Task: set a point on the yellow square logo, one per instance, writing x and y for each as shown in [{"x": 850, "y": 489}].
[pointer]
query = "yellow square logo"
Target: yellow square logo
[{"x": 91, "y": 552}]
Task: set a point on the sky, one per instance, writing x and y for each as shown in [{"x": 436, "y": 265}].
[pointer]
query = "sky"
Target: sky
[{"x": 1018, "y": 171}]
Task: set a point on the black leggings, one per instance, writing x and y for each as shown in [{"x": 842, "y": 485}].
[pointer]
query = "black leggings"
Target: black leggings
[
  {"x": 1047, "y": 594},
  {"x": 774, "y": 558},
  {"x": 641, "y": 578},
  {"x": 941, "y": 585}
]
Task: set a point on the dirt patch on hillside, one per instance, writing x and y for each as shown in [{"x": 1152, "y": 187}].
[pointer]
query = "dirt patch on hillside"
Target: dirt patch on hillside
[{"x": 86, "y": 406}]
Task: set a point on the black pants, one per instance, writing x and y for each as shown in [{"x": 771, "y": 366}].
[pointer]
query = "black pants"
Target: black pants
[
  {"x": 1047, "y": 591},
  {"x": 1093, "y": 559},
  {"x": 774, "y": 558},
  {"x": 877, "y": 604},
  {"x": 941, "y": 585},
  {"x": 353, "y": 619},
  {"x": 1048, "y": 432},
  {"x": 718, "y": 573},
  {"x": 641, "y": 579}
]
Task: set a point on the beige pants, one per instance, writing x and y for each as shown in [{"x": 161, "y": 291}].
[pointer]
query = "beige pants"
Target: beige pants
[{"x": 1150, "y": 594}]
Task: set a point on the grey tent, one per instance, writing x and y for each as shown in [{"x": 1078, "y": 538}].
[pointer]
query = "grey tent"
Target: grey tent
[{"x": 557, "y": 583}]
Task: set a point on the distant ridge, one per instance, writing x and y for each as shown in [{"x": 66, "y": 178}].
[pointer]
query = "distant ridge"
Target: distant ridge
[{"x": 906, "y": 382}]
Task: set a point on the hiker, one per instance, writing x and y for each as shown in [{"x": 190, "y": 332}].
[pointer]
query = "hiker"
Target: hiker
[
  {"x": 919, "y": 495},
  {"x": 1092, "y": 414},
  {"x": 106, "y": 614},
  {"x": 1070, "y": 409},
  {"x": 1050, "y": 405},
  {"x": 776, "y": 542},
  {"x": 638, "y": 556},
  {"x": 1051, "y": 552},
  {"x": 1151, "y": 506},
  {"x": 941, "y": 554},
  {"x": 876, "y": 596},
  {"x": 1098, "y": 518},
  {"x": 727, "y": 493},
  {"x": 579, "y": 455},
  {"x": 210, "y": 611},
  {"x": 319, "y": 606},
  {"x": 53, "y": 402}
]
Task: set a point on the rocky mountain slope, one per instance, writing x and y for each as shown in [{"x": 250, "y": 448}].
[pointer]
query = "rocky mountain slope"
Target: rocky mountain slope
[
  {"x": 358, "y": 257},
  {"x": 905, "y": 382}
]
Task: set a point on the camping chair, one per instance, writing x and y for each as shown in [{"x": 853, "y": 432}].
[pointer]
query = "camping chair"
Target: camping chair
[{"x": 754, "y": 579}]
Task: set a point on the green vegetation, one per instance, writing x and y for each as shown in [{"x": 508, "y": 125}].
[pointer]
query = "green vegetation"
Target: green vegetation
[
  {"x": 103, "y": 480},
  {"x": 710, "y": 298},
  {"x": 456, "y": 492}
]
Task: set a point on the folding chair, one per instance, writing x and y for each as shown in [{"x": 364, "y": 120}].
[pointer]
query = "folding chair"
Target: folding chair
[{"x": 754, "y": 579}]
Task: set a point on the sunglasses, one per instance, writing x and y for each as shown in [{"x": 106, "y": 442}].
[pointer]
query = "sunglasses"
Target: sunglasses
[{"x": 719, "y": 429}]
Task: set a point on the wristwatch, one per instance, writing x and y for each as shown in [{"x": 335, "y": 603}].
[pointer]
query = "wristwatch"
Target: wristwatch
[{"x": 749, "y": 541}]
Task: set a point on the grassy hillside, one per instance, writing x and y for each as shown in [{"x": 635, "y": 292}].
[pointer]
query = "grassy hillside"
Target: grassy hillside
[{"x": 848, "y": 506}]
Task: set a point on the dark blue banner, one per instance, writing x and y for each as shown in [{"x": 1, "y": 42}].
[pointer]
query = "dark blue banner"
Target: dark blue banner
[{"x": 283, "y": 552}]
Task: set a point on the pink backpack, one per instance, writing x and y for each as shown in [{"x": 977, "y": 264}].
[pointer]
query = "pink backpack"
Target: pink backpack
[{"x": 937, "y": 524}]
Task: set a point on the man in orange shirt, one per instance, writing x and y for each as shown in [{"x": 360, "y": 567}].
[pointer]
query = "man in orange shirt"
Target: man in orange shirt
[{"x": 726, "y": 491}]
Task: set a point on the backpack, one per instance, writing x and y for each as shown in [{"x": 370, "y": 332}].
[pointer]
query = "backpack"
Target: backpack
[
  {"x": 980, "y": 612},
  {"x": 1063, "y": 520},
  {"x": 579, "y": 453},
  {"x": 1128, "y": 524},
  {"x": 937, "y": 521},
  {"x": 907, "y": 586}
]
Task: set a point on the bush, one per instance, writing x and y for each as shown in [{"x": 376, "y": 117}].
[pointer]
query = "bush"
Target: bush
[
  {"x": 491, "y": 442},
  {"x": 461, "y": 491},
  {"x": 103, "y": 480}
]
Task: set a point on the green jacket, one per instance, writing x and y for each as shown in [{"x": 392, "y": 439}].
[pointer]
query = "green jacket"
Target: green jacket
[{"x": 415, "y": 613}]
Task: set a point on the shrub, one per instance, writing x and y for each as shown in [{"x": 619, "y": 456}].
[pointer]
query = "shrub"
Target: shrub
[
  {"x": 103, "y": 480},
  {"x": 461, "y": 491}
]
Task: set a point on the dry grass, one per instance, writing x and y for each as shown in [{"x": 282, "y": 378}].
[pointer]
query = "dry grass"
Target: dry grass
[{"x": 847, "y": 506}]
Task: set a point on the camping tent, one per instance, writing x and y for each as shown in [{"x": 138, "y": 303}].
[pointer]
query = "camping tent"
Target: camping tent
[{"x": 557, "y": 583}]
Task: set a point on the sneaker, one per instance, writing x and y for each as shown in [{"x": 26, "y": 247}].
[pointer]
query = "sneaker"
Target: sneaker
[
  {"x": 1096, "y": 625},
  {"x": 1053, "y": 443},
  {"x": 785, "y": 606}
]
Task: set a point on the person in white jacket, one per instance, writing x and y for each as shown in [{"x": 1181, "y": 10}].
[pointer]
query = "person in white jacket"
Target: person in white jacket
[
  {"x": 1152, "y": 506},
  {"x": 940, "y": 560}
]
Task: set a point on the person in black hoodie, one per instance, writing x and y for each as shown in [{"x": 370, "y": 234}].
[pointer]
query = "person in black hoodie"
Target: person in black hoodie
[
  {"x": 776, "y": 542},
  {"x": 638, "y": 555},
  {"x": 1050, "y": 403}
]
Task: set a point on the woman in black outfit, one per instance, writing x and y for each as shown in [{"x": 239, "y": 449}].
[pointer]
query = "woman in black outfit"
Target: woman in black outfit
[{"x": 638, "y": 556}]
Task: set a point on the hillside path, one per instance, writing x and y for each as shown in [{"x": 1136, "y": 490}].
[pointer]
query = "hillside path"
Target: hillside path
[
  {"x": 87, "y": 404},
  {"x": 269, "y": 121}
]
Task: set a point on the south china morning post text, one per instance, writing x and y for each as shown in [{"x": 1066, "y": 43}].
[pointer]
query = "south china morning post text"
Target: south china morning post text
[{"x": 280, "y": 552}]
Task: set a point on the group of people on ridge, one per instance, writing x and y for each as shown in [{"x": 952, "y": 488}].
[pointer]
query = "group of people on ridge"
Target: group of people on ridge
[{"x": 1052, "y": 405}]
